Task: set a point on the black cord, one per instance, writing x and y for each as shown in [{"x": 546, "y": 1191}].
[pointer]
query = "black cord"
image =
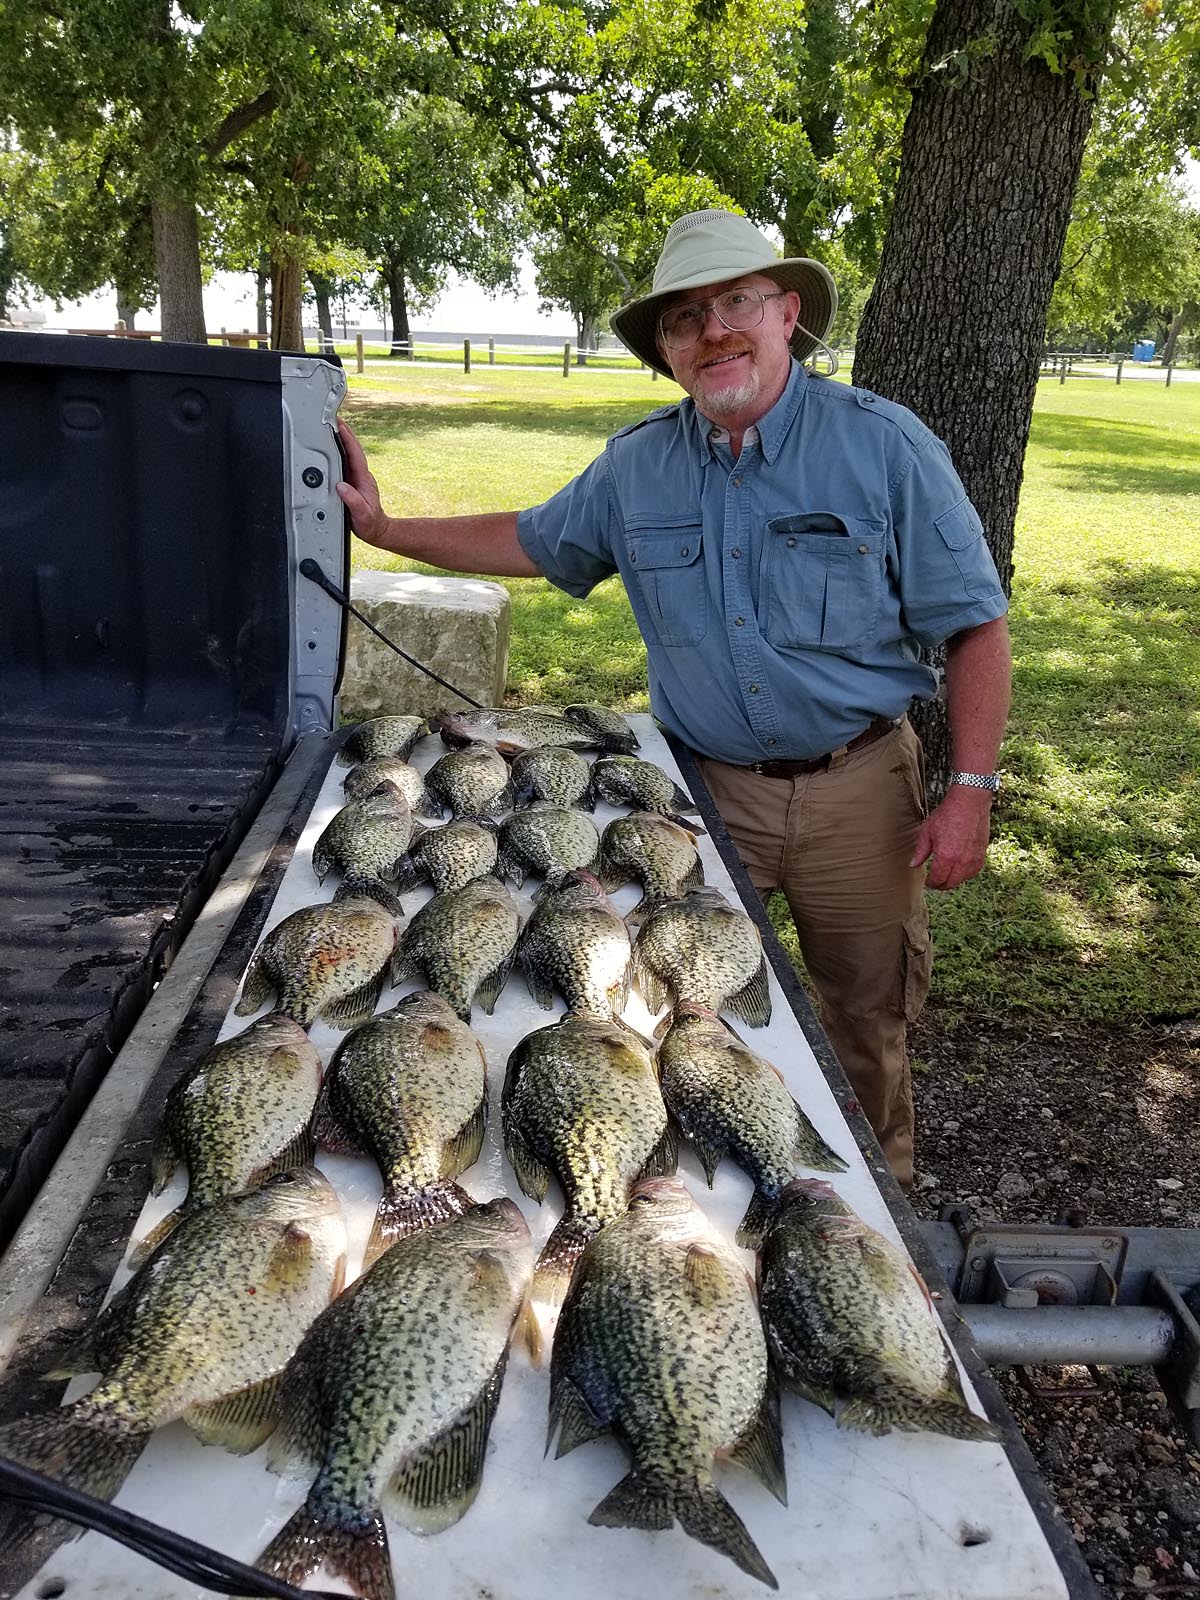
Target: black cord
[
  {"x": 195, "y": 1563},
  {"x": 310, "y": 569}
]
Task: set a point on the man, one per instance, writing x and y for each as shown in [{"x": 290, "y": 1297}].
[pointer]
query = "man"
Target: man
[{"x": 789, "y": 546}]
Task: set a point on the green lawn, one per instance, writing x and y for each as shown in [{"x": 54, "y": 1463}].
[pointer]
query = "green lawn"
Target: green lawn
[{"x": 1088, "y": 907}]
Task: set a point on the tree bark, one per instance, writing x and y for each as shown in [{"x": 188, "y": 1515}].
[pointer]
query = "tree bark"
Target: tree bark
[
  {"x": 320, "y": 287},
  {"x": 955, "y": 323},
  {"x": 585, "y": 336},
  {"x": 401, "y": 337},
  {"x": 262, "y": 281},
  {"x": 287, "y": 284},
  {"x": 1172, "y": 341},
  {"x": 177, "y": 263}
]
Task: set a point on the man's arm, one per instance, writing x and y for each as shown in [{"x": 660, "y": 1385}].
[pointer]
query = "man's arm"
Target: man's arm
[
  {"x": 954, "y": 838},
  {"x": 484, "y": 543}
]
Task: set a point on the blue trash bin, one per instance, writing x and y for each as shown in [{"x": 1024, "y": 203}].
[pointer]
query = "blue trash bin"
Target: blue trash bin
[{"x": 1143, "y": 350}]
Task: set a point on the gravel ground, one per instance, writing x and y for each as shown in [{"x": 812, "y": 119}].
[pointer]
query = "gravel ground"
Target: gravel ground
[{"x": 1026, "y": 1123}]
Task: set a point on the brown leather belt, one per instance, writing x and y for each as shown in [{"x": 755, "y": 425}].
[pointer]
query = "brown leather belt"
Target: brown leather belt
[{"x": 796, "y": 769}]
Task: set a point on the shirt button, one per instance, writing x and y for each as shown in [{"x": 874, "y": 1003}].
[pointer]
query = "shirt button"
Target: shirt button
[
  {"x": 684, "y": 551},
  {"x": 771, "y": 742},
  {"x": 791, "y": 544},
  {"x": 736, "y": 482},
  {"x": 753, "y": 688},
  {"x": 863, "y": 550},
  {"x": 735, "y": 553},
  {"x": 633, "y": 557},
  {"x": 739, "y": 622}
]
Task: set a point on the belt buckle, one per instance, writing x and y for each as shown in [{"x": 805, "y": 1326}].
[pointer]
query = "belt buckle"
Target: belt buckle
[{"x": 758, "y": 768}]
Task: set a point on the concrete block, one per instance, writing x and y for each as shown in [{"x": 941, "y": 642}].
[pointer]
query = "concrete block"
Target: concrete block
[{"x": 457, "y": 626}]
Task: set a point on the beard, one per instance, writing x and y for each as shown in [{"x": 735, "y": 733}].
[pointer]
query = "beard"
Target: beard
[{"x": 722, "y": 399}]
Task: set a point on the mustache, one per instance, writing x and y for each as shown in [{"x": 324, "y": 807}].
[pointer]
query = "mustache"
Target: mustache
[{"x": 727, "y": 347}]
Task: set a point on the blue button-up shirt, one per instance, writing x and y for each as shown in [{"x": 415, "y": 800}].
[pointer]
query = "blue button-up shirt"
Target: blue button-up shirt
[{"x": 784, "y": 598}]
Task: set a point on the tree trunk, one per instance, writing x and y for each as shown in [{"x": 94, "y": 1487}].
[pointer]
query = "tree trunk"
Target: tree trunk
[
  {"x": 1173, "y": 332},
  {"x": 320, "y": 288},
  {"x": 585, "y": 336},
  {"x": 401, "y": 337},
  {"x": 127, "y": 306},
  {"x": 955, "y": 323},
  {"x": 287, "y": 284},
  {"x": 262, "y": 280},
  {"x": 177, "y": 262}
]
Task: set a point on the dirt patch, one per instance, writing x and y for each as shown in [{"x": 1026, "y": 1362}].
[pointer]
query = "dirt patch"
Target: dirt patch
[{"x": 1026, "y": 1123}]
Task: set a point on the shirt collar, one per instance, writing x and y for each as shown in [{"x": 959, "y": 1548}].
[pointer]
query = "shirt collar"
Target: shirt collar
[{"x": 771, "y": 429}]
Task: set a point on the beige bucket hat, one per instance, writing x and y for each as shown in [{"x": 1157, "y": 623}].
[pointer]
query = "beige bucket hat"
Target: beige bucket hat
[{"x": 708, "y": 247}]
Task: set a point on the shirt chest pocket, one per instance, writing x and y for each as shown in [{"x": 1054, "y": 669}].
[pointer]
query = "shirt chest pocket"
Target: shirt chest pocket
[
  {"x": 666, "y": 558},
  {"x": 823, "y": 583}
]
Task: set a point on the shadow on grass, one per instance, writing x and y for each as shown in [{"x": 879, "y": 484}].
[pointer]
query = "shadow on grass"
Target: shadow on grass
[
  {"x": 1103, "y": 457},
  {"x": 593, "y": 419}
]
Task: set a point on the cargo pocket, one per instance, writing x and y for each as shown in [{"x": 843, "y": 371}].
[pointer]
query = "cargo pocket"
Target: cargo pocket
[
  {"x": 670, "y": 576},
  {"x": 918, "y": 965},
  {"x": 962, "y": 533},
  {"x": 824, "y": 580}
]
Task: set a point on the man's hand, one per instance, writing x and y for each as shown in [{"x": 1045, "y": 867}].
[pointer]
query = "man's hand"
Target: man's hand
[
  {"x": 954, "y": 837},
  {"x": 360, "y": 492}
]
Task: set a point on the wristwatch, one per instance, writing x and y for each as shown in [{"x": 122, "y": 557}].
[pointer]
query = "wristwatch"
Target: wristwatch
[{"x": 977, "y": 780}]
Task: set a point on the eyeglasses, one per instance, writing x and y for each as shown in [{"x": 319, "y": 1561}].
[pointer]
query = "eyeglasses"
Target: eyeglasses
[{"x": 736, "y": 309}]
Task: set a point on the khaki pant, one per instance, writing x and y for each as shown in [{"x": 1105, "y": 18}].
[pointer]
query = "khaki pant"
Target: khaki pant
[{"x": 837, "y": 843}]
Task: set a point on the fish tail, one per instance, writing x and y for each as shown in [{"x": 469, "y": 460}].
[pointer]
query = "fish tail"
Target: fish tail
[
  {"x": 405, "y": 1211},
  {"x": 754, "y": 1224},
  {"x": 556, "y": 1265},
  {"x": 914, "y": 1413},
  {"x": 648, "y": 1500},
  {"x": 353, "y": 1545},
  {"x": 145, "y": 1248},
  {"x": 81, "y": 1454}
]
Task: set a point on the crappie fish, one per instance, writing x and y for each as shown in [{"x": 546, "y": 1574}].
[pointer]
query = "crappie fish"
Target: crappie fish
[
  {"x": 366, "y": 840},
  {"x": 547, "y": 840},
  {"x": 660, "y": 1343},
  {"x": 323, "y": 961},
  {"x": 730, "y": 1102},
  {"x": 382, "y": 736},
  {"x": 369, "y": 775},
  {"x": 201, "y": 1334},
  {"x": 610, "y": 725},
  {"x": 408, "y": 1088},
  {"x": 576, "y": 942},
  {"x": 554, "y": 773},
  {"x": 463, "y": 942},
  {"x": 701, "y": 949},
  {"x": 392, "y": 1393},
  {"x": 511, "y": 730},
  {"x": 581, "y": 1101},
  {"x": 850, "y": 1323},
  {"x": 654, "y": 851},
  {"x": 241, "y": 1114},
  {"x": 628, "y": 781},
  {"x": 449, "y": 857},
  {"x": 471, "y": 782}
]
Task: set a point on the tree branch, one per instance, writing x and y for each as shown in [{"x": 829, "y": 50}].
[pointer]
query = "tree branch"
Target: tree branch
[{"x": 241, "y": 118}]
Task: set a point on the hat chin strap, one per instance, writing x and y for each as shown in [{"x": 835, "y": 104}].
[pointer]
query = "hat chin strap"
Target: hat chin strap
[{"x": 831, "y": 360}]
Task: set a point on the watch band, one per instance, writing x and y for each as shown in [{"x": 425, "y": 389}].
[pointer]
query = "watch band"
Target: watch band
[{"x": 977, "y": 780}]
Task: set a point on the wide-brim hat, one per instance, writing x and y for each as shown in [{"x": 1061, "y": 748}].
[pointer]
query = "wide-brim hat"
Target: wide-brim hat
[{"x": 710, "y": 247}]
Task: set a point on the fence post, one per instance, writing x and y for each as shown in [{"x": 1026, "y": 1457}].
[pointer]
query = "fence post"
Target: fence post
[
  {"x": 491, "y": 352},
  {"x": 1062, "y": 370},
  {"x": 653, "y": 374},
  {"x": 119, "y": 328},
  {"x": 1170, "y": 366},
  {"x": 1120, "y": 364},
  {"x": 358, "y": 352},
  {"x": 224, "y": 340},
  {"x": 566, "y": 360},
  {"x": 466, "y": 355}
]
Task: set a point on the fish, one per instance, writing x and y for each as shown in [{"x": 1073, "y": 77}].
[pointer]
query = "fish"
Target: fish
[
  {"x": 409, "y": 1089},
  {"x": 471, "y": 782},
  {"x": 654, "y": 851},
  {"x": 463, "y": 942},
  {"x": 576, "y": 942},
  {"x": 241, "y": 1114},
  {"x": 659, "y": 1342},
  {"x": 451, "y": 856},
  {"x": 552, "y": 772},
  {"x": 626, "y": 780},
  {"x": 514, "y": 729},
  {"x": 850, "y": 1323},
  {"x": 611, "y": 725},
  {"x": 730, "y": 1102},
  {"x": 391, "y": 1396},
  {"x": 366, "y": 840},
  {"x": 382, "y": 736},
  {"x": 200, "y": 1335},
  {"x": 324, "y": 961},
  {"x": 581, "y": 1101},
  {"x": 701, "y": 949},
  {"x": 548, "y": 840},
  {"x": 369, "y": 775}
]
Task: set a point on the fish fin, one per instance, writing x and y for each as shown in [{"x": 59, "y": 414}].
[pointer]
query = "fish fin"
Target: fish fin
[
  {"x": 571, "y": 1418},
  {"x": 437, "y": 1484},
  {"x": 811, "y": 1150},
  {"x": 258, "y": 985},
  {"x": 241, "y": 1421},
  {"x": 406, "y": 961},
  {"x": 528, "y": 1332},
  {"x": 890, "y": 1405},
  {"x": 654, "y": 990},
  {"x": 375, "y": 889},
  {"x": 556, "y": 1265},
  {"x": 922, "y": 1285},
  {"x": 355, "y": 1547},
  {"x": 693, "y": 878},
  {"x": 299, "y": 1440},
  {"x": 540, "y": 991},
  {"x": 291, "y": 1258},
  {"x": 705, "y": 1273},
  {"x": 753, "y": 1002},
  {"x": 664, "y": 1158},
  {"x": 145, "y": 1247},
  {"x": 327, "y": 1131},
  {"x": 682, "y": 801},
  {"x": 298, "y": 1152},
  {"x": 404, "y": 1211},
  {"x": 355, "y": 1007},
  {"x": 322, "y": 858},
  {"x": 532, "y": 1173},
  {"x": 692, "y": 826},
  {"x": 707, "y": 1154},
  {"x": 410, "y": 872},
  {"x": 430, "y": 806},
  {"x": 754, "y": 1224},
  {"x": 510, "y": 868},
  {"x": 760, "y": 1448},
  {"x": 706, "y": 1515},
  {"x": 63, "y": 1445},
  {"x": 164, "y": 1158},
  {"x": 491, "y": 985},
  {"x": 463, "y": 1150},
  {"x": 638, "y": 1501}
]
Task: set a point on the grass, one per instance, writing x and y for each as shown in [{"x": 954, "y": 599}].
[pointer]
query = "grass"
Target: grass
[
  {"x": 546, "y": 355},
  {"x": 1088, "y": 907}
]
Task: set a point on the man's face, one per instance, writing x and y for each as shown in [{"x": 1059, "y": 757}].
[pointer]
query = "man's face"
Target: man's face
[{"x": 736, "y": 377}]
